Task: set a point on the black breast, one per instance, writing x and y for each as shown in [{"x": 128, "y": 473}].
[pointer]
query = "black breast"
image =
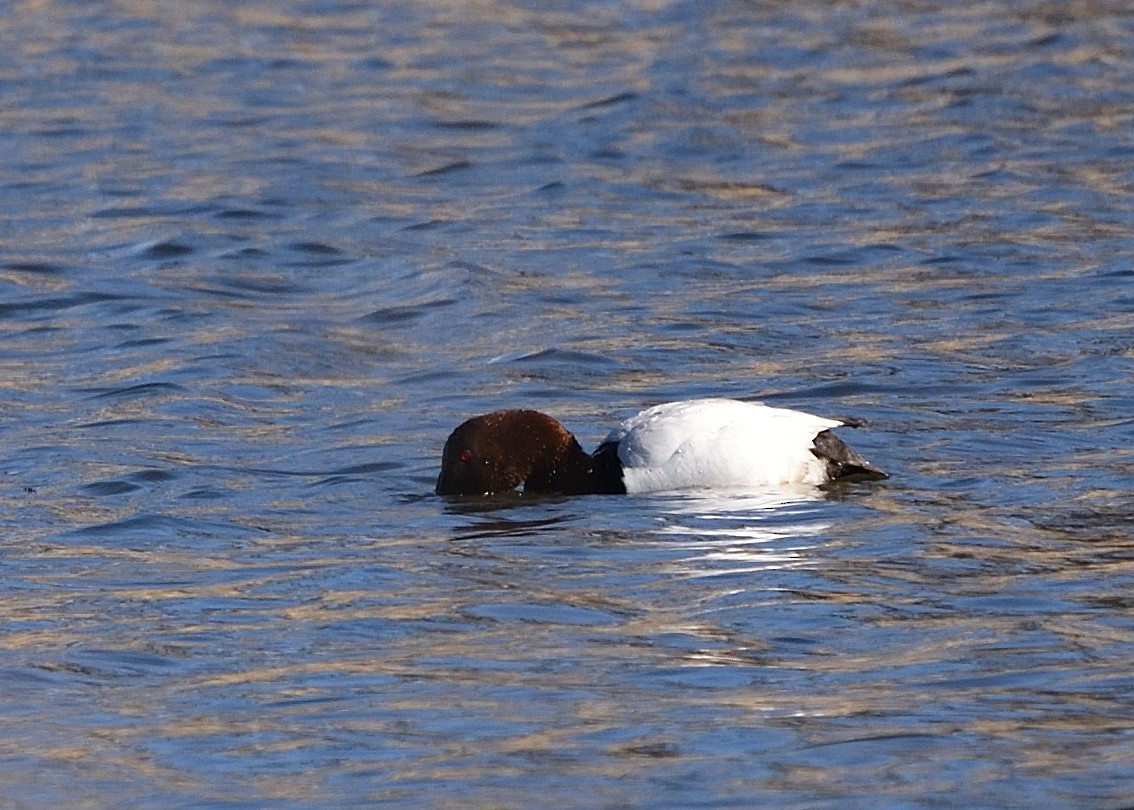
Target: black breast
[{"x": 606, "y": 475}]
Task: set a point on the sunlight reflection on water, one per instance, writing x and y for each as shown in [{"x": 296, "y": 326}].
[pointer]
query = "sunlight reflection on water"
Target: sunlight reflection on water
[{"x": 740, "y": 532}]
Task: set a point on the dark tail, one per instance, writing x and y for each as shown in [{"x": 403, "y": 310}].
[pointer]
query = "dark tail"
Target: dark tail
[{"x": 843, "y": 463}]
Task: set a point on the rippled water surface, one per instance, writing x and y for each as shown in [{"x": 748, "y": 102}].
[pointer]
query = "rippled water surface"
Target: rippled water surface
[{"x": 257, "y": 259}]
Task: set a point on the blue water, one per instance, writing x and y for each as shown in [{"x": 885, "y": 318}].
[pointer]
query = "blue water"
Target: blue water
[{"x": 257, "y": 260}]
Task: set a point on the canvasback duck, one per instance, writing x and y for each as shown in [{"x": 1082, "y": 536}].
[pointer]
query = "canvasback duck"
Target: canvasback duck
[{"x": 694, "y": 444}]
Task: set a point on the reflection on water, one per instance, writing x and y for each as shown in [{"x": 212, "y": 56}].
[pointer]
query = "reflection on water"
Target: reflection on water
[
  {"x": 256, "y": 261},
  {"x": 741, "y": 533}
]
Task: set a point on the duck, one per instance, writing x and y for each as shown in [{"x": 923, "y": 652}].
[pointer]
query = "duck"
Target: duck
[{"x": 696, "y": 444}]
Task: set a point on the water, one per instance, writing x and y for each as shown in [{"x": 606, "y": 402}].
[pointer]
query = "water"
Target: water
[{"x": 257, "y": 260}]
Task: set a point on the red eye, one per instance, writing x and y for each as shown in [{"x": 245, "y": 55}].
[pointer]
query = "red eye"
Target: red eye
[{"x": 465, "y": 457}]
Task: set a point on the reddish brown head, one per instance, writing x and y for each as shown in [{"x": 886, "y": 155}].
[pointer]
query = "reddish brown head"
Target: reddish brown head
[{"x": 500, "y": 451}]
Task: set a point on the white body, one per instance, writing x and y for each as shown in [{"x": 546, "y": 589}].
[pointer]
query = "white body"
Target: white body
[{"x": 719, "y": 444}]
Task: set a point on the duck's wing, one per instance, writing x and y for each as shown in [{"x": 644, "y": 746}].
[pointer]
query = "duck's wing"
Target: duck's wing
[{"x": 719, "y": 443}]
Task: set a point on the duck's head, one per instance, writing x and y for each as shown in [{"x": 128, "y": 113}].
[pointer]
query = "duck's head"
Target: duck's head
[{"x": 499, "y": 451}]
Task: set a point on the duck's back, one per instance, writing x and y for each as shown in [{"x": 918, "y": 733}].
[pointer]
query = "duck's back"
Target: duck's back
[{"x": 718, "y": 443}]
